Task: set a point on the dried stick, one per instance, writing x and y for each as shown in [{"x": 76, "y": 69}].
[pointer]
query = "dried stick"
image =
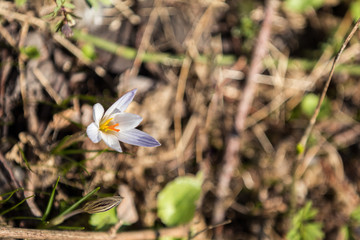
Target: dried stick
[
  {"x": 14, "y": 182},
  {"x": 24, "y": 233},
  {"x": 22, "y": 76},
  {"x": 46, "y": 84},
  {"x": 29, "y": 19},
  {"x": 301, "y": 165},
  {"x": 5, "y": 34},
  {"x": 306, "y": 135},
  {"x": 231, "y": 157},
  {"x": 192, "y": 41},
  {"x": 145, "y": 41}
]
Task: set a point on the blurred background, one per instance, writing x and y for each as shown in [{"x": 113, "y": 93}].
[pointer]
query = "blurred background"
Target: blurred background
[{"x": 227, "y": 87}]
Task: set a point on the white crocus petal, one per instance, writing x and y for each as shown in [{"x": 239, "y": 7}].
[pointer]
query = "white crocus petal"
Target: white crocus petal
[
  {"x": 93, "y": 133},
  {"x": 127, "y": 121},
  {"x": 111, "y": 140},
  {"x": 116, "y": 125},
  {"x": 122, "y": 103},
  {"x": 137, "y": 137},
  {"x": 98, "y": 112}
]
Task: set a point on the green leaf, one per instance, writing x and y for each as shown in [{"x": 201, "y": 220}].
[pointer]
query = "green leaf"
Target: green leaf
[
  {"x": 20, "y": 3},
  {"x": 10, "y": 195},
  {"x": 171, "y": 238},
  {"x": 311, "y": 231},
  {"x": 60, "y": 2},
  {"x": 308, "y": 213},
  {"x": 303, "y": 227},
  {"x": 345, "y": 233},
  {"x": 56, "y": 10},
  {"x": 300, "y": 148},
  {"x": 91, "y": 3},
  {"x": 15, "y": 206},
  {"x": 31, "y": 52},
  {"x": 355, "y": 215},
  {"x": 69, "y": 5},
  {"x": 103, "y": 219},
  {"x": 106, "y": 2},
  {"x": 66, "y": 142},
  {"x": 293, "y": 234},
  {"x": 61, "y": 217},
  {"x": 75, "y": 205},
  {"x": 309, "y": 103},
  {"x": 51, "y": 201},
  {"x": 24, "y": 157},
  {"x": 303, "y": 5},
  {"x": 89, "y": 51},
  {"x": 95, "y": 3},
  {"x": 177, "y": 201},
  {"x": 355, "y": 9}
]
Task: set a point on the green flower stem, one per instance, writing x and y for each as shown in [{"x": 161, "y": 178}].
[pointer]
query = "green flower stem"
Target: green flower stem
[
  {"x": 67, "y": 141},
  {"x": 176, "y": 60},
  {"x": 15, "y": 206},
  {"x": 51, "y": 200},
  {"x": 154, "y": 57},
  {"x": 71, "y": 210}
]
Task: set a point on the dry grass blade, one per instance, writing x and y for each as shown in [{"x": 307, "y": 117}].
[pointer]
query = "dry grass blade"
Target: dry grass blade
[
  {"x": 187, "y": 60},
  {"x": 231, "y": 158},
  {"x": 45, "y": 82},
  {"x": 177, "y": 232},
  {"x": 309, "y": 128}
]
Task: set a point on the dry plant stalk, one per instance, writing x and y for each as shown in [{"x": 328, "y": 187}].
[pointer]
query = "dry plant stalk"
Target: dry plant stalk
[
  {"x": 301, "y": 164},
  {"x": 192, "y": 41},
  {"x": 23, "y": 233},
  {"x": 231, "y": 157},
  {"x": 145, "y": 40},
  {"x": 309, "y": 128}
]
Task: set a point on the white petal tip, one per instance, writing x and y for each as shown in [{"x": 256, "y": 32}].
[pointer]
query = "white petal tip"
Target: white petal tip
[
  {"x": 118, "y": 150},
  {"x": 138, "y": 138},
  {"x": 146, "y": 141}
]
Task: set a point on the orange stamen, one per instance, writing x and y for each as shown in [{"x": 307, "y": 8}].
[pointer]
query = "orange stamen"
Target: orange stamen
[
  {"x": 104, "y": 126},
  {"x": 112, "y": 127}
]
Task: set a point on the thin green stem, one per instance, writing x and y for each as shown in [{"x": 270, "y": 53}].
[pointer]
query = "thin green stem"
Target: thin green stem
[
  {"x": 51, "y": 200},
  {"x": 154, "y": 57},
  {"x": 71, "y": 210},
  {"x": 15, "y": 206}
]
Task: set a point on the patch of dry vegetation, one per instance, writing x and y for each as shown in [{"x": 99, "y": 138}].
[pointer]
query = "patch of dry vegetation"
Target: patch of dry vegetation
[{"x": 192, "y": 108}]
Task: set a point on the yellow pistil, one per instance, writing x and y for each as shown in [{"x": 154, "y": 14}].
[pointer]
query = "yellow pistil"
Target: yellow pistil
[{"x": 105, "y": 127}]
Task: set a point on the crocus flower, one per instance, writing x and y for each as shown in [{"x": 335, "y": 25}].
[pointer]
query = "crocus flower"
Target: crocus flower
[{"x": 116, "y": 125}]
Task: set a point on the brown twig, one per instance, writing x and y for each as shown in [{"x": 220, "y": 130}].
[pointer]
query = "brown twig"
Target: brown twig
[
  {"x": 10, "y": 15},
  {"x": 210, "y": 228},
  {"x": 145, "y": 41},
  {"x": 7, "y": 36},
  {"x": 231, "y": 157},
  {"x": 192, "y": 41},
  {"x": 24, "y": 233},
  {"x": 21, "y": 62},
  {"x": 306, "y": 135},
  {"x": 301, "y": 164},
  {"x": 5, "y": 71},
  {"x": 46, "y": 84},
  {"x": 14, "y": 182},
  {"x": 43, "y": 25}
]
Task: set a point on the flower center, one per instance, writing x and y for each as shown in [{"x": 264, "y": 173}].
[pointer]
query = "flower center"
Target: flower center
[{"x": 104, "y": 126}]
